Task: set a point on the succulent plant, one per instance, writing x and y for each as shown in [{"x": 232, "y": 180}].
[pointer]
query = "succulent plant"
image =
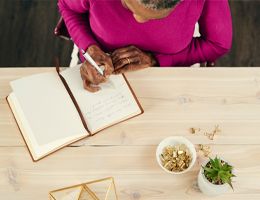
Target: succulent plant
[{"x": 218, "y": 172}]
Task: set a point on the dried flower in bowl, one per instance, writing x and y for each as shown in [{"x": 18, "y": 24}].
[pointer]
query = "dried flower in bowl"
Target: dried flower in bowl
[{"x": 176, "y": 158}]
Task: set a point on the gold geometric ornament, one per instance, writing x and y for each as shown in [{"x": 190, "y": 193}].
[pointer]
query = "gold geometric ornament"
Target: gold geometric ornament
[{"x": 103, "y": 189}]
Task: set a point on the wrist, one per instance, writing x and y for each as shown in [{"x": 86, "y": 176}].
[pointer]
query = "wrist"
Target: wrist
[
  {"x": 92, "y": 48},
  {"x": 154, "y": 61}
]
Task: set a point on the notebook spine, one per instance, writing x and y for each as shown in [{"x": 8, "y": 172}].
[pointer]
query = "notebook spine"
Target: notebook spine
[{"x": 73, "y": 100}]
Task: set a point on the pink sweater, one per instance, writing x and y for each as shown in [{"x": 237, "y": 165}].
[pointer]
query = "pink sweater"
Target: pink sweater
[{"x": 110, "y": 25}]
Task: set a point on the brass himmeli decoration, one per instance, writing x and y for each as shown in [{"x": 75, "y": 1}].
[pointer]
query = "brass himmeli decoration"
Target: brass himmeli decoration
[{"x": 103, "y": 189}]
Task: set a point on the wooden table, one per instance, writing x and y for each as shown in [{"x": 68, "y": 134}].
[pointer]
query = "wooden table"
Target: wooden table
[{"x": 174, "y": 100}]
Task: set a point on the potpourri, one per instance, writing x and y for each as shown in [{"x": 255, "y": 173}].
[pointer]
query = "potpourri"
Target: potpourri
[{"x": 176, "y": 158}]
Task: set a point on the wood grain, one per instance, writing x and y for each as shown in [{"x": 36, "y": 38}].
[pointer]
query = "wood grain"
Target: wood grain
[
  {"x": 193, "y": 98},
  {"x": 174, "y": 100},
  {"x": 136, "y": 173}
]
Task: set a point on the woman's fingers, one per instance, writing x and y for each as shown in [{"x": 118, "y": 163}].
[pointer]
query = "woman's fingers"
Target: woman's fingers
[
  {"x": 90, "y": 78},
  {"x": 126, "y": 52},
  {"x": 131, "y": 59},
  {"x": 93, "y": 75},
  {"x": 105, "y": 63},
  {"x": 127, "y": 68},
  {"x": 90, "y": 87},
  {"x": 122, "y": 50},
  {"x": 102, "y": 59},
  {"x": 123, "y": 55},
  {"x": 122, "y": 60},
  {"x": 86, "y": 82},
  {"x": 127, "y": 61},
  {"x": 109, "y": 68}
]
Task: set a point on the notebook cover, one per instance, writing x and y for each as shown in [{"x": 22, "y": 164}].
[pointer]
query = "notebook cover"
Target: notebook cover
[{"x": 81, "y": 116}]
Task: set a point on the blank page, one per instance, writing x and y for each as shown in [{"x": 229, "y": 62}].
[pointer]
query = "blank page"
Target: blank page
[
  {"x": 43, "y": 103},
  {"x": 112, "y": 104}
]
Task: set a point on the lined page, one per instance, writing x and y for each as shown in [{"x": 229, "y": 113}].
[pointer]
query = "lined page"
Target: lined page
[
  {"x": 48, "y": 110},
  {"x": 112, "y": 104}
]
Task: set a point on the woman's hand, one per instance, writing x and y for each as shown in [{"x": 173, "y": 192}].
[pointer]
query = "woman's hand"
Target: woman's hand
[
  {"x": 90, "y": 76},
  {"x": 130, "y": 59}
]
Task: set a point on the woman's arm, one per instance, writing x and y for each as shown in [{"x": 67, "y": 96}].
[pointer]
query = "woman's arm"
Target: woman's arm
[
  {"x": 216, "y": 37},
  {"x": 75, "y": 15}
]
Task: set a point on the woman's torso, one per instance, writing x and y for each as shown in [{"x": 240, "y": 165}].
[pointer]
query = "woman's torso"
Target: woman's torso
[{"x": 114, "y": 27}]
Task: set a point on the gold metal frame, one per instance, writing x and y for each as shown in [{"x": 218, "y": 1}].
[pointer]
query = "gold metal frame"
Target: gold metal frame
[{"x": 84, "y": 187}]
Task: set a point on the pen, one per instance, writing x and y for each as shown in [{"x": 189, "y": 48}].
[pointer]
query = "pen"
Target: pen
[{"x": 92, "y": 62}]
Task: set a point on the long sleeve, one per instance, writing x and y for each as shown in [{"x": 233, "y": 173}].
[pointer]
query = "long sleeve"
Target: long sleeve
[
  {"x": 216, "y": 37},
  {"x": 75, "y": 15}
]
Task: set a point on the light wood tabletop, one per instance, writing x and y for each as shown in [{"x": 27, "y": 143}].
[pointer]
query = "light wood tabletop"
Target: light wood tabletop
[{"x": 174, "y": 100}]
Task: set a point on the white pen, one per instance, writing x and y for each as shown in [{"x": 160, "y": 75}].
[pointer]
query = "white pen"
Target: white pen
[{"x": 92, "y": 62}]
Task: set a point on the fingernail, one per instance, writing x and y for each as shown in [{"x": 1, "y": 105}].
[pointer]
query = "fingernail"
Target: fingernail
[{"x": 102, "y": 67}]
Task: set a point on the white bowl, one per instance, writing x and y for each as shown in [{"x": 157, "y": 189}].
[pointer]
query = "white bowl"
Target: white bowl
[{"x": 172, "y": 141}]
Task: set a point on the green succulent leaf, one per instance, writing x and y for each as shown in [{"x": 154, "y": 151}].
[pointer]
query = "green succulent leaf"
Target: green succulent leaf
[
  {"x": 209, "y": 170},
  {"x": 217, "y": 163},
  {"x": 218, "y": 172}
]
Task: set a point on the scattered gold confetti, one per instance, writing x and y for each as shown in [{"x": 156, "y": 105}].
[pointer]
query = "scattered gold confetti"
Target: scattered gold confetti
[
  {"x": 212, "y": 134},
  {"x": 194, "y": 130},
  {"x": 176, "y": 158},
  {"x": 205, "y": 149}
]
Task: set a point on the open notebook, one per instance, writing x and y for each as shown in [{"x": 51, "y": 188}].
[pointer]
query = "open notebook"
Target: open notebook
[{"x": 53, "y": 109}]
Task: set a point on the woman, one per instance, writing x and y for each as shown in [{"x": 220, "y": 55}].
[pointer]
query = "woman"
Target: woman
[{"x": 144, "y": 33}]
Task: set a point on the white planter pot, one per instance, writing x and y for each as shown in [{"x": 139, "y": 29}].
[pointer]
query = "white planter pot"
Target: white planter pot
[{"x": 209, "y": 188}]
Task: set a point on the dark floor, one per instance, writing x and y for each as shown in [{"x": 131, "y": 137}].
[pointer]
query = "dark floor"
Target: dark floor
[
  {"x": 246, "y": 40},
  {"x": 27, "y": 34}
]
